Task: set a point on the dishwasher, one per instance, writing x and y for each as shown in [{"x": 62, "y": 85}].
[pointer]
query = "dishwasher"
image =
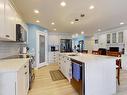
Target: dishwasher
[{"x": 78, "y": 76}]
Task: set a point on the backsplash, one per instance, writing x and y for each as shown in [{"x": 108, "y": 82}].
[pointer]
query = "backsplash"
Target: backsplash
[{"x": 9, "y": 48}]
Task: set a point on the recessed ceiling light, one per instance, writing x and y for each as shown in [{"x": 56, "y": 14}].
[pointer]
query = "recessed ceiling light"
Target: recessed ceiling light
[
  {"x": 121, "y": 23},
  {"x": 82, "y": 32},
  {"x": 99, "y": 30},
  {"x": 91, "y": 7},
  {"x": 63, "y": 4},
  {"x": 54, "y": 29},
  {"x": 37, "y": 21},
  {"x": 72, "y": 22},
  {"x": 36, "y": 11},
  {"x": 53, "y": 23}
]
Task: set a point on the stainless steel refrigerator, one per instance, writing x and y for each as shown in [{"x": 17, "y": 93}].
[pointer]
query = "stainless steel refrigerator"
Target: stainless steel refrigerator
[{"x": 65, "y": 45}]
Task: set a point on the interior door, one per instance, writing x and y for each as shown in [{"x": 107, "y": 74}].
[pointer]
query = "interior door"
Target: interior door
[{"x": 42, "y": 50}]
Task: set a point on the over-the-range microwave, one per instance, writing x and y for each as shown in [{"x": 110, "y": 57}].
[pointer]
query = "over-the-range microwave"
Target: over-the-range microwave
[{"x": 21, "y": 33}]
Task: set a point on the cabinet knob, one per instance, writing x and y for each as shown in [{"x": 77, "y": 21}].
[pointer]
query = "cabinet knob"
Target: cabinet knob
[
  {"x": 25, "y": 66},
  {"x": 7, "y": 36},
  {"x": 25, "y": 73}
]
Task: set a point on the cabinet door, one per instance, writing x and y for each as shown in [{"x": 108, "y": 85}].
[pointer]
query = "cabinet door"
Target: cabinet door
[
  {"x": 114, "y": 38},
  {"x": 20, "y": 82},
  {"x": 10, "y": 21},
  {"x": 120, "y": 37},
  {"x": 108, "y": 38},
  {"x": 8, "y": 84},
  {"x": 1, "y": 18}
]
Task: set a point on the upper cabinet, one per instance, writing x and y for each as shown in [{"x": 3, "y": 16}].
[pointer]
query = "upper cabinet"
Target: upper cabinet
[
  {"x": 1, "y": 18},
  {"x": 10, "y": 21},
  {"x": 108, "y": 38},
  {"x": 120, "y": 37},
  {"x": 114, "y": 38}
]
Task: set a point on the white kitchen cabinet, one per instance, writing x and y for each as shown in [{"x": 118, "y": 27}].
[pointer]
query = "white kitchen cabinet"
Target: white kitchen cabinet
[
  {"x": 7, "y": 21},
  {"x": 114, "y": 37},
  {"x": 53, "y": 57},
  {"x": 108, "y": 38},
  {"x": 15, "y": 83},
  {"x": 120, "y": 37},
  {"x": 10, "y": 21},
  {"x": 65, "y": 66},
  {"x": 1, "y": 18}
]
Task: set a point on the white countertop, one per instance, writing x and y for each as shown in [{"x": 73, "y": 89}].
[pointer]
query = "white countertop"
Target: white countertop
[
  {"x": 90, "y": 57},
  {"x": 12, "y": 65}
]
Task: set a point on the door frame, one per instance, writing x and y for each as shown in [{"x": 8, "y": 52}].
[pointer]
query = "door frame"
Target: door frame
[{"x": 38, "y": 33}]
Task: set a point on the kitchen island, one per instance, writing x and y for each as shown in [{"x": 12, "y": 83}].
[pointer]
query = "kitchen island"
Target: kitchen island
[{"x": 98, "y": 74}]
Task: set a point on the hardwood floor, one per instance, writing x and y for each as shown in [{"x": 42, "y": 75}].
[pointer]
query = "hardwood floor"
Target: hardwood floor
[
  {"x": 122, "y": 89},
  {"x": 43, "y": 84}
]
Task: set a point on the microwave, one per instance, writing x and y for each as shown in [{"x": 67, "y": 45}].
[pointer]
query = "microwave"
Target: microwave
[{"x": 21, "y": 33}]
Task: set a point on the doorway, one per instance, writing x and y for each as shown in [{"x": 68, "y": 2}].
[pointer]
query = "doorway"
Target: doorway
[{"x": 42, "y": 50}]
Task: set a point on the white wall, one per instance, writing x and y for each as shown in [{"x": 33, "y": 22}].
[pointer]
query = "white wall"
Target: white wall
[{"x": 89, "y": 44}]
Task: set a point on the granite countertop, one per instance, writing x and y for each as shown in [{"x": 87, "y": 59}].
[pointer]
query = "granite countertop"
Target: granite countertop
[{"x": 12, "y": 65}]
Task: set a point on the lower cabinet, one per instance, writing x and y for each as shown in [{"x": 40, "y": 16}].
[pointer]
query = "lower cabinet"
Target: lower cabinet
[
  {"x": 53, "y": 57},
  {"x": 65, "y": 67},
  {"x": 15, "y": 83}
]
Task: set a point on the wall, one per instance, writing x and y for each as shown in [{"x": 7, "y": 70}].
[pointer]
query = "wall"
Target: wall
[
  {"x": 32, "y": 38},
  {"x": 32, "y": 30},
  {"x": 9, "y": 49},
  {"x": 54, "y": 39},
  {"x": 89, "y": 44}
]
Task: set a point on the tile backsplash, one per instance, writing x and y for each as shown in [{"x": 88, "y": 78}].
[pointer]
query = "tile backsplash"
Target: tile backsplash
[{"x": 9, "y": 48}]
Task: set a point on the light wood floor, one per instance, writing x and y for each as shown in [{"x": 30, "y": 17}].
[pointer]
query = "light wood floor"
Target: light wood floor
[
  {"x": 43, "y": 84},
  {"x": 122, "y": 89}
]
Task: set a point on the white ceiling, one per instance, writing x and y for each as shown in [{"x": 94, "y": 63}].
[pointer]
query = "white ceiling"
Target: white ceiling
[{"x": 107, "y": 14}]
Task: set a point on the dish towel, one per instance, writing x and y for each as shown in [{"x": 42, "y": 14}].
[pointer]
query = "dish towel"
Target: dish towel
[{"x": 76, "y": 71}]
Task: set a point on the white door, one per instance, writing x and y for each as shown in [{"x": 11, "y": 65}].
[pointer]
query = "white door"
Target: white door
[{"x": 41, "y": 49}]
